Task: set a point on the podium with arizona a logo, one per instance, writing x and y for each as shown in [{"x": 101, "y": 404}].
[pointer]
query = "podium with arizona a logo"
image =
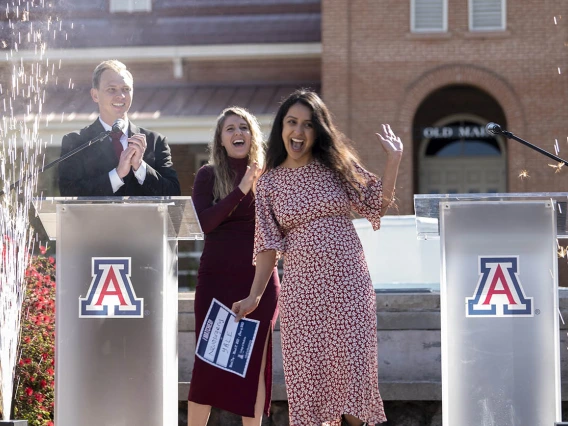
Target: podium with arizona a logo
[
  {"x": 116, "y": 303},
  {"x": 499, "y": 305}
]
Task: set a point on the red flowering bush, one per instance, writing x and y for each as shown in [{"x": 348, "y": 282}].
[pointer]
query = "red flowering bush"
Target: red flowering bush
[{"x": 35, "y": 373}]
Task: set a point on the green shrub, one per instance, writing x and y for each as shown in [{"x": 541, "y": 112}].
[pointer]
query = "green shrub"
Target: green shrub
[{"x": 35, "y": 375}]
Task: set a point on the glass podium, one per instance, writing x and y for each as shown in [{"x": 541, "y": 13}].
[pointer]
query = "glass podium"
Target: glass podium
[
  {"x": 116, "y": 307},
  {"x": 499, "y": 305}
]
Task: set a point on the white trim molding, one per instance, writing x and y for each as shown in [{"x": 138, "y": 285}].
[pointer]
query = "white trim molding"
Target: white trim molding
[{"x": 221, "y": 52}]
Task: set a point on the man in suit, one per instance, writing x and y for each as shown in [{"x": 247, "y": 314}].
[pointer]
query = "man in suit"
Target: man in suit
[{"x": 143, "y": 168}]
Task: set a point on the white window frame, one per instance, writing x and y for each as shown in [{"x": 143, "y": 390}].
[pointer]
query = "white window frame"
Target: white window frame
[
  {"x": 130, "y": 6},
  {"x": 429, "y": 30},
  {"x": 501, "y": 27}
]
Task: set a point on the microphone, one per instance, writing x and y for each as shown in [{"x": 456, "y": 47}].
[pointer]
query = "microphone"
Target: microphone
[
  {"x": 493, "y": 129},
  {"x": 119, "y": 126}
]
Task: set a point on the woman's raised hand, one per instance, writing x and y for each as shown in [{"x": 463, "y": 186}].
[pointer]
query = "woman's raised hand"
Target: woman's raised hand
[
  {"x": 249, "y": 179},
  {"x": 389, "y": 141}
]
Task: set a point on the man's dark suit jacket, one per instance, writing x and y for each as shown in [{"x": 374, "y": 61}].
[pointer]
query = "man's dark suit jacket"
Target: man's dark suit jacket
[{"x": 85, "y": 174}]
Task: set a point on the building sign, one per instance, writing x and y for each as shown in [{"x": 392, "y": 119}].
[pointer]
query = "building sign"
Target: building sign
[{"x": 455, "y": 132}]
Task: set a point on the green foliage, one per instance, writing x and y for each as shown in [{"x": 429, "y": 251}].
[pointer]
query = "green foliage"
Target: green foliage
[{"x": 35, "y": 375}]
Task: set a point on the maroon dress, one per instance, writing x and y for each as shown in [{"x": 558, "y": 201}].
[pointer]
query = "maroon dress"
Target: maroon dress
[{"x": 226, "y": 273}]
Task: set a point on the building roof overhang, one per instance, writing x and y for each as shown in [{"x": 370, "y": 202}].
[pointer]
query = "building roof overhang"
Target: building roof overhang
[
  {"x": 185, "y": 113},
  {"x": 177, "y": 55}
]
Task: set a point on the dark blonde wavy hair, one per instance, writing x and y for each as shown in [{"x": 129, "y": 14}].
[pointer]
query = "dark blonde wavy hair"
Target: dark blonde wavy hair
[
  {"x": 113, "y": 65},
  {"x": 331, "y": 147},
  {"x": 218, "y": 158}
]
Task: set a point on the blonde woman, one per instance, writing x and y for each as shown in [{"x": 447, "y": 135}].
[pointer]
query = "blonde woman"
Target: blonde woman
[{"x": 224, "y": 201}]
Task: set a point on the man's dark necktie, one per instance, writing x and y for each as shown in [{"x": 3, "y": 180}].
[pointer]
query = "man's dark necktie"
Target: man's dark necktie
[{"x": 115, "y": 139}]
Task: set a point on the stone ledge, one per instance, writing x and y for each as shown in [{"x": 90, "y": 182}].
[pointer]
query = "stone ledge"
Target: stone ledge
[
  {"x": 390, "y": 391},
  {"x": 385, "y": 320},
  {"x": 395, "y": 311},
  {"x": 409, "y": 346},
  {"x": 390, "y": 302},
  {"x": 418, "y": 320},
  {"x": 386, "y": 302}
]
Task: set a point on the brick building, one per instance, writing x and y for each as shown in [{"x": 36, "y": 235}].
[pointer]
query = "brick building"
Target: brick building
[
  {"x": 189, "y": 59},
  {"x": 436, "y": 70},
  {"x": 433, "y": 69}
]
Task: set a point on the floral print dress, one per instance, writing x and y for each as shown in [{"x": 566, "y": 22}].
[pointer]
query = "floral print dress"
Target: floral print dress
[{"x": 327, "y": 300}]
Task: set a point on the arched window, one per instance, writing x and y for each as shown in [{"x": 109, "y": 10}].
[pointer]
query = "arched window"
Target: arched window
[
  {"x": 461, "y": 158},
  {"x": 452, "y": 150}
]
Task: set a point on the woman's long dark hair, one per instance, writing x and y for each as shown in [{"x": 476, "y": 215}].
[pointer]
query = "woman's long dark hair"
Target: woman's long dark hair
[{"x": 331, "y": 147}]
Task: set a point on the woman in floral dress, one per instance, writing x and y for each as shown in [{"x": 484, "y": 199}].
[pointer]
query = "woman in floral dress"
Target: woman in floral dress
[{"x": 304, "y": 200}]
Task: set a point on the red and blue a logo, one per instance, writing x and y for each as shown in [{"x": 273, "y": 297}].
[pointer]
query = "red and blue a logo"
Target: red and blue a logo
[
  {"x": 499, "y": 292},
  {"x": 111, "y": 293}
]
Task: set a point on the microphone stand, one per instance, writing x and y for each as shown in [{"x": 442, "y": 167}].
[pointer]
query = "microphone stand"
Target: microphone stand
[
  {"x": 530, "y": 145},
  {"x": 100, "y": 137}
]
